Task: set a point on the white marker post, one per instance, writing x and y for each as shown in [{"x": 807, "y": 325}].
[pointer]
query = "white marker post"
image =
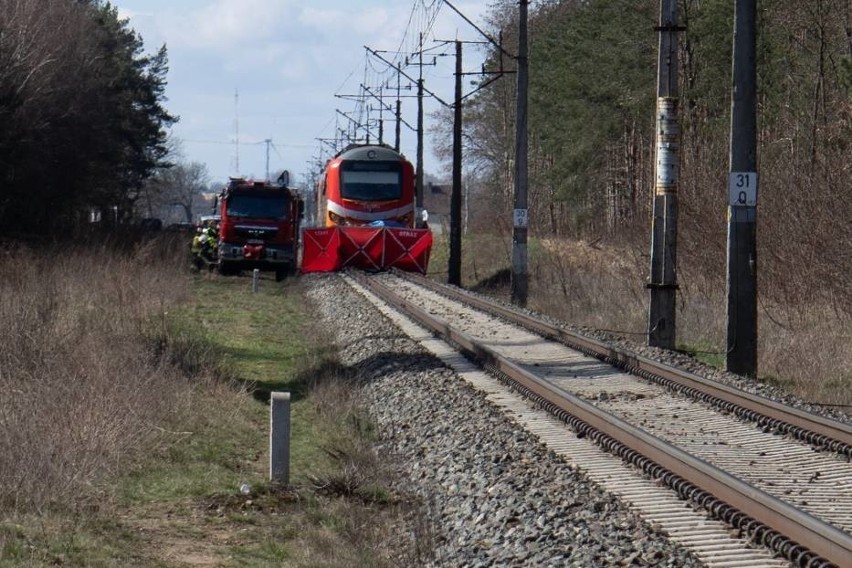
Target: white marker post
[
  {"x": 255, "y": 279},
  {"x": 279, "y": 438}
]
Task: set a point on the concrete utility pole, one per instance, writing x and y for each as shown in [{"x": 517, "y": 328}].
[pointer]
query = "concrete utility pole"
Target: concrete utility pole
[
  {"x": 519, "y": 221},
  {"x": 237, "y": 129},
  {"x": 742, "y": 193},
  {"x": 454, "y": 264},
  {"x": 663, "y": 280},
  {"x": 268, "y": 142},
  {"x": 418, "y": 187},
  {"x": 398, "y": 111}
]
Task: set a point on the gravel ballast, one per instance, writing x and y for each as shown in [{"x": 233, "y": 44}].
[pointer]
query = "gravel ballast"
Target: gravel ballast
[{"x": 492, "y": 494}]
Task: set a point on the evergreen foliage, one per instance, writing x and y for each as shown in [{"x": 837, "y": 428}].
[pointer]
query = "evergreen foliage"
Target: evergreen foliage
[
  {"x": 82, "y": 108},
  {"x": 593, "y": 72},
  {"x": 592, "y": 68}
]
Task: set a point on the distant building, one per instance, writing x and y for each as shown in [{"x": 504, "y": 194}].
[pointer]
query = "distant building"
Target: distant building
[{"x": 436, "y": 201}]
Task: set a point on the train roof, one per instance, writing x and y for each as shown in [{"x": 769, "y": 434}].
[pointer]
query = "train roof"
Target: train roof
[{"x": 367, "y": 152}]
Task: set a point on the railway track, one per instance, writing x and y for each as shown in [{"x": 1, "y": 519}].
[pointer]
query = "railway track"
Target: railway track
[{"x": 779, "y": 477}]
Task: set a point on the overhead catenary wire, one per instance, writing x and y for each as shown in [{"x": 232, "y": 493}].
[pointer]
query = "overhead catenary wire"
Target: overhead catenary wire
[
  {"x": 242, "y": 143},
  {"x": 415, "y": 41}
]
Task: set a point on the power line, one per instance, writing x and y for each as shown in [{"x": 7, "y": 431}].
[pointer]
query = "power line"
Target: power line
[{"x": 229, "y": 142}]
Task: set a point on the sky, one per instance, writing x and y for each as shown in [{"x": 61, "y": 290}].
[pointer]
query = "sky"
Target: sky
[{"x": 282, "y": 70}]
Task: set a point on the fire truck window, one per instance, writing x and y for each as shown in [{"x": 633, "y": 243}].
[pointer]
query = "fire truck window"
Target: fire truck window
[{"x": 258, "y": 206}]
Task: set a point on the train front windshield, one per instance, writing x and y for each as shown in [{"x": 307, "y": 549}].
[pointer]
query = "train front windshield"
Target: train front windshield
[
  {"x": 371, "y": 181},
  {"x": 258, "y": 206}
]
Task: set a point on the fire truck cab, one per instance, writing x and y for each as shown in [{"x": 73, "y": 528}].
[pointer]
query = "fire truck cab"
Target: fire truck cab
[{"x": 259, "y": 226}]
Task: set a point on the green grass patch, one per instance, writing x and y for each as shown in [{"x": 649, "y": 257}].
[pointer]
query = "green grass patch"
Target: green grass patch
[
  {"x": 90, "y": 542},
  {"x": 705, "y": 353},
  {"x": 182, "y": 504},
  {"x": 260, "y": 342}
]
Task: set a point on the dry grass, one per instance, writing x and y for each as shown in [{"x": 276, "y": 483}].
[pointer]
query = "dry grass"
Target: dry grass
[
  {"x": 589, "y": 284},
  {"x": 134, "y": 406},
  {"x": 358, "y": 469},
  {"x": 803, "y": 345},
  {"x": 83, "y": 391},
  {"x": 370, "y": 513}
]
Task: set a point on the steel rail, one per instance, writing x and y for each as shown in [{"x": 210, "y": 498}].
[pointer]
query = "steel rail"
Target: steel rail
[
  {"x": 811, "y": 428},
  {"x": 791, "y": 532}
]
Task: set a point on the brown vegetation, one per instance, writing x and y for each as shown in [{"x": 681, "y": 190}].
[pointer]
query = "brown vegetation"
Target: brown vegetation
[
  {"x": 133, "y": 410},
  {"x": 592, "y": 89},
  {"x": 84, "y": 391}
]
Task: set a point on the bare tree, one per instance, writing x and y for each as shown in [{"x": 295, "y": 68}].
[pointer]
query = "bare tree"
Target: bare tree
[{"x": 178, "y": 186}]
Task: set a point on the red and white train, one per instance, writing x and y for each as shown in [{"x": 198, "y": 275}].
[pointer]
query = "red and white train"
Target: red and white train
[
  {"x": 366, "y": 214},
  {"x": 367, "y": 185}
]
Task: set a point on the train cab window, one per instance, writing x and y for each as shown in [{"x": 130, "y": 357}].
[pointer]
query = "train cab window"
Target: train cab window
[{"x": 371, "y": 181}]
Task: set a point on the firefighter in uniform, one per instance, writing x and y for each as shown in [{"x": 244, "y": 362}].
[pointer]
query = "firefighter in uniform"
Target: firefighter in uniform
[
  {"x": 209, "y": 242},
  {"x": 195, "y": 248}
]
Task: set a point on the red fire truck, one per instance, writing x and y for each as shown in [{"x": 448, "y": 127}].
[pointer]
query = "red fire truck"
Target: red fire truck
[{"x": 259, "y": 226}]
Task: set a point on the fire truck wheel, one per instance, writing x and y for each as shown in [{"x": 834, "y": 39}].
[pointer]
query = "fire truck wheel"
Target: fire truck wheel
[{"x": 226, "y": 268}]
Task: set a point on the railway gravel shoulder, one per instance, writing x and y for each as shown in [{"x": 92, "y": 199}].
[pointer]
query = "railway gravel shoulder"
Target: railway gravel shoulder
[
  {"x": 494, "y": 495},
  {"x": 808, "y": 480}
]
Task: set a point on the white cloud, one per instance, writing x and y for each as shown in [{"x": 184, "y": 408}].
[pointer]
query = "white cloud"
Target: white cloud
[
  {"x": 318, "y": 18},
  {"x": 229, "y": 24},
  {"x": 288, "y": 59},
  {"x": 351, "y": 21},
  {"x": 124, "y": 13}
]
